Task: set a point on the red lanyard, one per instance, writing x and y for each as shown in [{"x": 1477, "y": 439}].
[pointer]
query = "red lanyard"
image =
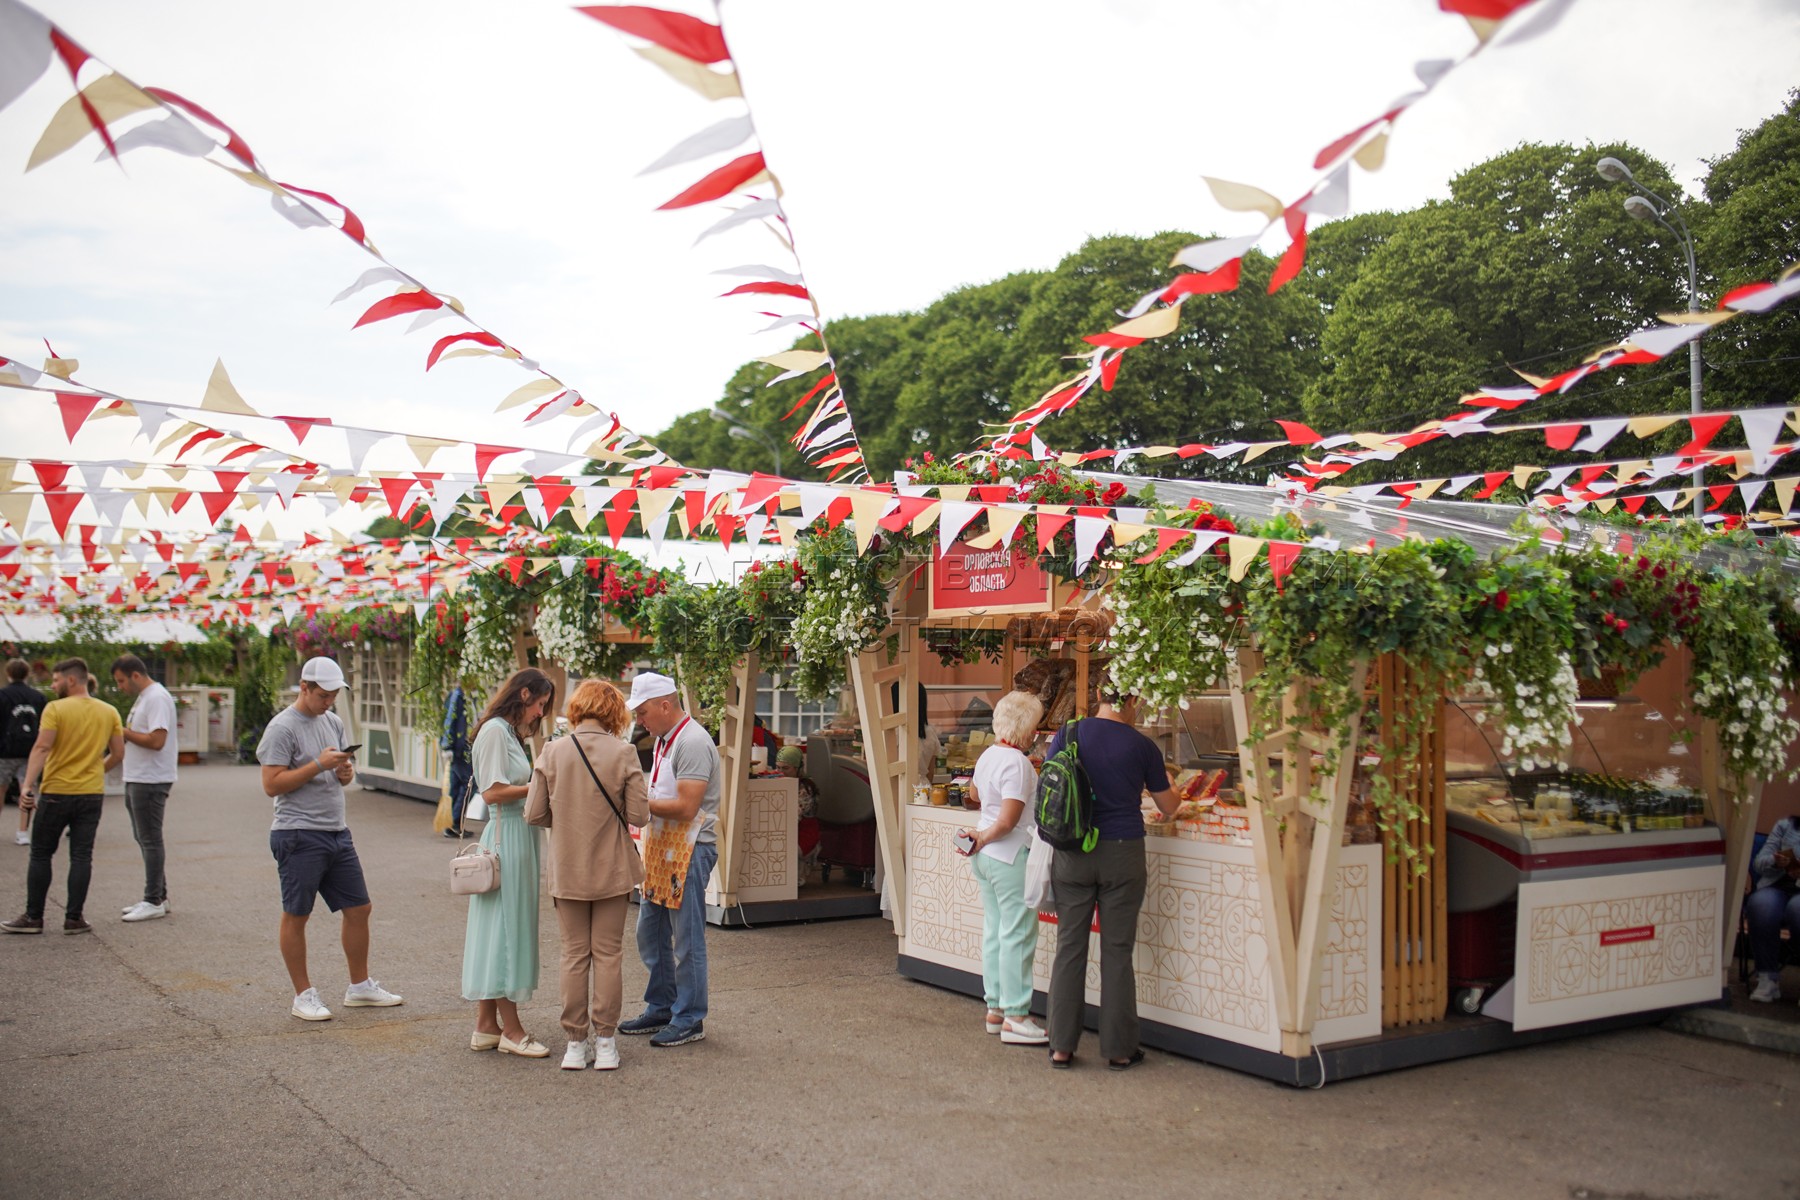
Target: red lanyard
[{"x": 662, "y": 745}]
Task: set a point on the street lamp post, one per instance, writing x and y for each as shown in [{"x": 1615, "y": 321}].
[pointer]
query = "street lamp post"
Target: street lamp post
[
  {"x": 1646, "y": 205},
  {"x": 745, "y": 433}
]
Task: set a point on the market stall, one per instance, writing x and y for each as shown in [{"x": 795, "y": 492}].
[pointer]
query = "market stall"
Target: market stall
[
  {"x": 1306, "y": 938},
  {"x": 760, "y": 876}
]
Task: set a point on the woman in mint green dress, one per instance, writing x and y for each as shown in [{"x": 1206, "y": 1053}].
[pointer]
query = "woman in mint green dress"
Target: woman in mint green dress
[{"x": 500, "y": 950}]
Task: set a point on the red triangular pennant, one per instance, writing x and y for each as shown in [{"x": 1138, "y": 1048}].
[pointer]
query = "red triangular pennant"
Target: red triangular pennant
[{"x": 75, "y": 409}]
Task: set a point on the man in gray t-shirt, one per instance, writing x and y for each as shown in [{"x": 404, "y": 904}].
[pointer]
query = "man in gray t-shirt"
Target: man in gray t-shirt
[
  {"x": 305, "y": 765},
  {"x": 684, "y": 787}
]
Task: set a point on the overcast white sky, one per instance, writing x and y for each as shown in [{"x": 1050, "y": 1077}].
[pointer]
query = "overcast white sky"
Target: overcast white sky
[{"x": 492, "y": 148}]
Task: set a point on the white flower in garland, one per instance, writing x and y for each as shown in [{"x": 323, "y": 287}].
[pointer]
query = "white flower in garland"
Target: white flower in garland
[
  {"x": 564, "y": 632},
  {"x": 1536, "y": 700}
]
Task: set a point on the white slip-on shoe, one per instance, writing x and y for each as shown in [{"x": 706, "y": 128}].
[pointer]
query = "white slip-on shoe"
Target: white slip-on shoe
[
  {"x": 529, "y": 1048},
  {"x": 145, "y": 911},
  {"x": 483, "y": 1041},
  {"x": 1768, "y": 989},
  {"x": 369, "y": 994},
  {"x": 1023, "y": 1031},
  {"x": 991, "y": 1023},
  {"x": 577, "y": 1056},
  {"x": 308, "y": 1006},
  {"x": 606, "y": 1054}
]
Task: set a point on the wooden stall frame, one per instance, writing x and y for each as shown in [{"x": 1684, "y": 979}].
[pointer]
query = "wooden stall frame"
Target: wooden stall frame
[
  {"x": 737, "y": 721},
  {"x": 891, "y": 747},
  {"x": 1296, "y": 842}
]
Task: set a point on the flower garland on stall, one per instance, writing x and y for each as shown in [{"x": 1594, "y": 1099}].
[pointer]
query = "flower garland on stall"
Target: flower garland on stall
[
  {"x": 1174, "y": 627},
  {"x": 1520, "y": 611},
  {"x": 843, "y": 612}
]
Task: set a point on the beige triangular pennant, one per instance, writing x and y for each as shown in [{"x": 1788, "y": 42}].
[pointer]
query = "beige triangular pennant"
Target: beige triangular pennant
[
  {"x": 222, "y": 397},
  {"x": 1243, "y": 552},
  {"x": 1644, "y": 427}
]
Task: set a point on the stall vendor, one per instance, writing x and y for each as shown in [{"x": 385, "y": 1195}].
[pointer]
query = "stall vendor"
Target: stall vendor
[
  {"x": 789, "y": 760},
  {"x": 1774, "y": 902}
]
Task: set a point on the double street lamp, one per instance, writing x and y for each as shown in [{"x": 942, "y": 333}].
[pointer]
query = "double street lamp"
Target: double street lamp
[
  {"x": 745, "y": 433},
  {"x": 1646, "y": 205}
]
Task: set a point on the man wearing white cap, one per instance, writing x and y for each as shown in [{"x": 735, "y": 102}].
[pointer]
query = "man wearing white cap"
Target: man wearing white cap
[
  {"x": 305, "y": 765},
  {"x": 684, "y": 786}
]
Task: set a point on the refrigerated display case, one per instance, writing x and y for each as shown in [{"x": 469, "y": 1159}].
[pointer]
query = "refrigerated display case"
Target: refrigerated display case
[{"x": 1598, "y": 881}]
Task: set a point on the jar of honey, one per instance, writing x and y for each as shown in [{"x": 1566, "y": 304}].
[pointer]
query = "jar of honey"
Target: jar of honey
[{"x": 940, "y": 795}]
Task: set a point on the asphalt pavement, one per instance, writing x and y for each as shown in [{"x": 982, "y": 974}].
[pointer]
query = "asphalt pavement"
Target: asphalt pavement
[{"x": 158, "y": 1059}]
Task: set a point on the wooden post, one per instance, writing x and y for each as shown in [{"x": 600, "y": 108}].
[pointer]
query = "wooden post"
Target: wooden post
[
  {"x": 1736, "y": 817},
  {"x": 737, "y": 723},
  {"x": 890, "y": 744},
  {"x": 1296, "y": 843}
]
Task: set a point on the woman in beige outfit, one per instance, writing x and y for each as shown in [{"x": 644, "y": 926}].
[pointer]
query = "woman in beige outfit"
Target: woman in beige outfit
[{"x": 593, "y": 864}]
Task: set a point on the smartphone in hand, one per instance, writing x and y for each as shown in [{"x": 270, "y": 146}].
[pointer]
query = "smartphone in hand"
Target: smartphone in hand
[
  {"x": 965, "y": 842},
  {"x": 353, "y": 748}
]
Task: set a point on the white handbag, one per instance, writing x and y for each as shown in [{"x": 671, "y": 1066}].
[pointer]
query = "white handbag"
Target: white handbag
[
  {"x": 476, "y": 869},
  {"x": 1037, "y": 873}
]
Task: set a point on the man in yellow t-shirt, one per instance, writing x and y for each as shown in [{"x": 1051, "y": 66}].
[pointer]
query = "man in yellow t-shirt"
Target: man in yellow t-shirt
[{"x": 79, "y": 739}]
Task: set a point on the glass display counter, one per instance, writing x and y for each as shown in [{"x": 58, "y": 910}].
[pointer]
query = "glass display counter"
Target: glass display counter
[{"x": 1609, "y": 830}]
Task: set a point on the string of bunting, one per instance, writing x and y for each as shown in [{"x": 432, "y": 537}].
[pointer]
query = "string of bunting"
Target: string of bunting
[
  {"x": 694, "y": 52},
  {"x": 128, "y": 117},
  {"x": 1215, "y": 266}
]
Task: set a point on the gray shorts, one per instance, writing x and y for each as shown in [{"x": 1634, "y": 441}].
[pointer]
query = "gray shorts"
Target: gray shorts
[{"x": 11, "y": 769}]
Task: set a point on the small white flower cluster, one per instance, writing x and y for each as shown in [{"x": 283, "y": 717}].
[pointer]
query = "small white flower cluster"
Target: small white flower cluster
[
  {"x": 1159, "y": 678},
  {"x": 1537, "y": 708},
  {"x": 839, "y": 616},
  {"x": 487, "y": 650},
  {"x": 563, "y": 632},
  {"x": 1754, "y": 728}
]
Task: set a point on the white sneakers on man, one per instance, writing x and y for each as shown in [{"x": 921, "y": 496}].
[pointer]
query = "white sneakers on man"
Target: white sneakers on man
[
  {"x": 1768, "y": 989},
  {"x": 143, "y": 910},
  {"x": 369, "y": 994},
  {"x": 577, "y": 1056},
  {"x": 606, "y": 1054},
  {"x": 308, "y": 1006}
]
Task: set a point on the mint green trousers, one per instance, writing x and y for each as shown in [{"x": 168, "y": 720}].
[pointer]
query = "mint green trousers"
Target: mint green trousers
[{"x": 1009, "y": 932}]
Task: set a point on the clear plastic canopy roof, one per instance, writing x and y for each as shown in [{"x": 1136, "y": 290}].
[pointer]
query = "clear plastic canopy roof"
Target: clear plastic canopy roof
[{"x": 1386, "y": 521}]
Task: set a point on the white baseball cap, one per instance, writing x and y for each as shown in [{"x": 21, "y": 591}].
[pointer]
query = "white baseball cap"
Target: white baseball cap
[
  {"x": 648, "y": 686},
  {"x": 323, "y": 671}
]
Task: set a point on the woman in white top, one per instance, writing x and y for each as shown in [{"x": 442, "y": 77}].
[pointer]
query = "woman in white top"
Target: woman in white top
[{"x": 1005, "y": 786}]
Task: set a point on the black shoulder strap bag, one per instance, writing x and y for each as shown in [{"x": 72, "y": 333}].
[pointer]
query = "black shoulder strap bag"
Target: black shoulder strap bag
[{"x": 623, "y": 823}]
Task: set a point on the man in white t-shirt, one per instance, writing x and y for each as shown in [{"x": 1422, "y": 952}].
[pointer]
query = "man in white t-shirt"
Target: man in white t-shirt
[{"x": 150, "y": 749}]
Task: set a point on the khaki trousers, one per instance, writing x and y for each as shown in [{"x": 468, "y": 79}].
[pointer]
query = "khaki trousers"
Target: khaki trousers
[{"x": 593, "y": 937}]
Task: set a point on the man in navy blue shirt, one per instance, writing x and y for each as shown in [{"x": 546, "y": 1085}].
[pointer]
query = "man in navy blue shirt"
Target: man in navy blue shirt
[{"x": 1121, "y": 764}]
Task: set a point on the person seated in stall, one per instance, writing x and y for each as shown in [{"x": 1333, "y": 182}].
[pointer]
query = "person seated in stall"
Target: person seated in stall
[
  {"x": 1774, "y": 902},
  {"x": 790, "y": 761}
]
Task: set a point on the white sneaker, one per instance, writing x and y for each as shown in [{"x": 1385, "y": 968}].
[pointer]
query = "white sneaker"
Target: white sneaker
[
  {"x": 308, "y": 1006},
  {"x": 606, "y": 1054},
  {"x": 143, "y": 910},
  {"x": 22, "y": 838},
  {"x": 1768, "y": 989},
  {"x": 577, "y": 1056},
  {"x": 1023, "y": 1031},
  {"x": 369, "y": 994}
]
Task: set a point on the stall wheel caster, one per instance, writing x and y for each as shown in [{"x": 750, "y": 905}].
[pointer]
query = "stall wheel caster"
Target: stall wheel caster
[{"x": 1469, "y": 1000}]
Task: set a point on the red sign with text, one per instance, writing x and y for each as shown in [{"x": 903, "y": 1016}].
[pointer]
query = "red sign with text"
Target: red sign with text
[
  {"x": 970, "y": 582},
  {"x": 1618, "y": 937}
]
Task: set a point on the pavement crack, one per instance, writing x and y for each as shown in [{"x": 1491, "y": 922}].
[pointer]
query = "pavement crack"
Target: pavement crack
[
  {"x": 162, "y": 993},
  {"x": 354, "y": 1142}
]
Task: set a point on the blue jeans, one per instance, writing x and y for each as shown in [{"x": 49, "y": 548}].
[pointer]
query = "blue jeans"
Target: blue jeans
[
  {"x": 1767, "y": 909},
  {"x": 677, "y": 987}
]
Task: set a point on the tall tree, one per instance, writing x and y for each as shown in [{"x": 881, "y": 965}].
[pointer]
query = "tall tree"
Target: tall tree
[{"x": 1749, "y": 232}]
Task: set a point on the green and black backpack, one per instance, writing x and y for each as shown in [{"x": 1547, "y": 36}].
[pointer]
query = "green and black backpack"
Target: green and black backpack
[{"x": 1065, "y": 798}]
